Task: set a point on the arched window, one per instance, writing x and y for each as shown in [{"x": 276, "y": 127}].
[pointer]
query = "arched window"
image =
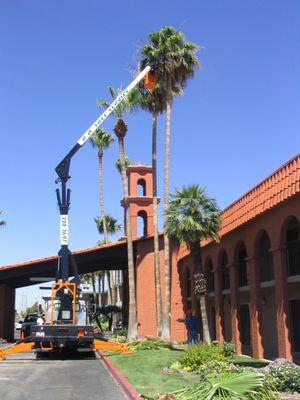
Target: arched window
[
  {"x": 141, "y": 187},
  {"x": 188, "y": 289},
  {"x": 210, "y": 276},
  {"x": 264, "y": 259},
  {"x": 224, "y": 271},
  {"x": 142, "y": 227},
  {"x": 242, "y": 265},
  {"x": 292, "y": 247}
]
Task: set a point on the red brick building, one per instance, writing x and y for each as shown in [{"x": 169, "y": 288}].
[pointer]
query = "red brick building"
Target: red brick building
[{"x": 253, "y": 274}]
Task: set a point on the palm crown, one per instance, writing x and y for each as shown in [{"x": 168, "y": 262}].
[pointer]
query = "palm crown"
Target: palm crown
[
  {"x": 174, "y": 55},
  {"x": 127, "y": 105},
  {"x": 192, "y": 215},
  {"x": 101, "y": 139},
  {"x": 111, "y": 223}
]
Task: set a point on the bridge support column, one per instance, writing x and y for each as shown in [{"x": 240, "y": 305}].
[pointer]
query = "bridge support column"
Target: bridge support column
[{"x": 7, "y": 312}]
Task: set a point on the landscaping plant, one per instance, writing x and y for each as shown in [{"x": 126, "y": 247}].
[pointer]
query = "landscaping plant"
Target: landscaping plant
[
  {"x": 201, "y": 354},
  {"x": 245, "y": 385},
  {"x": 148, "y": 344},
  {"x": 286, "y": 378}
]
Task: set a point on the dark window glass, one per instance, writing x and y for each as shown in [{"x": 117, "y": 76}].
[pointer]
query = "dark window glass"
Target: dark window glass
[
  {"x": 293, "y": 251},
  {"x": 265, "y": 259},
  {"x": 225, "y": 272},
  {"x": 242, "y": 266},
  {"x": 210, "y": 277}
]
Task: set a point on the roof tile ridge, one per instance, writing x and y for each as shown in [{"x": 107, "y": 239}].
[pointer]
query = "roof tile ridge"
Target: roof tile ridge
[{"x": 296, "y": 157}]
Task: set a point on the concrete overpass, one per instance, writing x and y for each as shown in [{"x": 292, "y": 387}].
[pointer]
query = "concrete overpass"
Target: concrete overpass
[{"x": 112, "y": 256}]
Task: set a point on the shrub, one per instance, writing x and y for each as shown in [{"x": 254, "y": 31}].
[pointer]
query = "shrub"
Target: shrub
[
  {"x": 216, "y": 368},
  {"x": 286, "y": 378},
  {"x": 228, "y": 349},
  {"x": 201, "y": 354}
]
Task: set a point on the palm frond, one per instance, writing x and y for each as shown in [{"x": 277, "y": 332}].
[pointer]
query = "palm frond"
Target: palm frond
[
  {"x": 245, "y": 385},
  {"x": 192, "y": 215},
  {"x": 112, "y": 224},
  {"x": 118, "y": 164},
  {"x": 101, "y": 139}
]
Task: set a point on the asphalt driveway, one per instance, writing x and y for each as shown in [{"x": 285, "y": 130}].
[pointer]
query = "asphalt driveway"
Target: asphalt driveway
[{"x": 23, "y": 377}]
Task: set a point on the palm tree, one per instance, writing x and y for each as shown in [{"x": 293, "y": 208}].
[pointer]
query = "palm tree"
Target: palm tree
[
  {"x": 176, "y": 63},
  {"x": 112, "y": 226},
  {"x": 192, "y": 216},
  {"x": 127, "y": 105},
  {"x": 101, "y": 140},
  {"x": 2, "y": 222},
  {"x": 154, "y": 101},
  {"x": 118, "y": 164}
]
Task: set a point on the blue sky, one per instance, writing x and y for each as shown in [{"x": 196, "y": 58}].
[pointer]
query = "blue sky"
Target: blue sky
[{"x": 237, "y": 121}]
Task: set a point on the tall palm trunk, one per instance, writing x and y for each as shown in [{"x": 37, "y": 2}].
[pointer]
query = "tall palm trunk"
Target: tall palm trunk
[
  {"x": 101, "y": 197},
  {"x": 200, "y": 289},
  {"x": 112, "y": 297},
  {"x": 166, "y": 322},
  {"x": 99, "y": 289},
  {"x": 132, "y": 319},
  {"x": 155, "y": 228}
]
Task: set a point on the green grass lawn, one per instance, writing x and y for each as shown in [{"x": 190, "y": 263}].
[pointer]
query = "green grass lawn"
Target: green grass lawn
[{"x": 143, "y": 370}]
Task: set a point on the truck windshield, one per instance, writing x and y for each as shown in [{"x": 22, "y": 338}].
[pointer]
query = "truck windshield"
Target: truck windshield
[{"x": 30, "y": 318}]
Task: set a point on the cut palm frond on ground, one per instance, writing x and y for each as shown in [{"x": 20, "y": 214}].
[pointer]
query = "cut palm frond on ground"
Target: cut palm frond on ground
[{"x": 242, "y": 386}]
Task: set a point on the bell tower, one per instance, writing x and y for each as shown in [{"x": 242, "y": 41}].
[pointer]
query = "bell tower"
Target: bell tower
[{"x": 140, "y": 190}]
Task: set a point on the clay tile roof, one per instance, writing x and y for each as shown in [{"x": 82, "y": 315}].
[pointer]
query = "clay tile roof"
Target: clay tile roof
[
  {"x": 273, "y": 190},
  {"x": 279, "y": 186}
]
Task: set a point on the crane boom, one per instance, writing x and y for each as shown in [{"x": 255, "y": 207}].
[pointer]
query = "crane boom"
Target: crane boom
[
  {"x": 63, "y": 167},
  {"x": 62, "y": 170}
]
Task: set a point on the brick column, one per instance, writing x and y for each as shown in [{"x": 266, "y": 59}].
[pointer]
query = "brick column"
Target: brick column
[
  {"x": 282, "y": 304},
  {"x": 7, "y": 312},
  {"x": 235, "y": 304},
  {"x": 255, "y": 309},
  {"x": 218, "y": 304}
]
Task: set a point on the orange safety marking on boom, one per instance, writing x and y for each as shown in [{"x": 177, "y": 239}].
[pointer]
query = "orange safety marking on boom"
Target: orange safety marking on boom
[
  {"x": 110, "y": 346},
  {"x": 16, "y": 348}
]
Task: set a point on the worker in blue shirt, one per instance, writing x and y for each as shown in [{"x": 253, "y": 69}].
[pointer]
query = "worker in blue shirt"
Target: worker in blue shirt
[{"x": 191, "y": 323}]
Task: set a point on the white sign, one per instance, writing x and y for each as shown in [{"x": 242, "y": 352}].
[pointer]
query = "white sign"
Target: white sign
[{"x": 64, "y": 230}]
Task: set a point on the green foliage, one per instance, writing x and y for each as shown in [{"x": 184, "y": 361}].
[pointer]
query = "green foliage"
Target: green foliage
[
  {"x": 245, "y": 385},
  {"x": 101, "y": 139},
  {"x": 127, "y": 105},
  {"x": 120, "y": 332},
  {"x": 286, "y": 378},
  {"x": 174, "y": 56},
  {"x": 201, "y": 354},
  {"x": 118, "y": 164},
  {"x": 33, "y": 309},
  {"x": 112, "y": 224},
  {"x": 192, "y": 215},
  {"x": 228, "y": 349},
  {"x": 148, "y": 344}
]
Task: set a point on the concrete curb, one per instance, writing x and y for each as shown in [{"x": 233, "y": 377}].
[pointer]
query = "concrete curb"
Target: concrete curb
[{"x": 128, "y": 389}]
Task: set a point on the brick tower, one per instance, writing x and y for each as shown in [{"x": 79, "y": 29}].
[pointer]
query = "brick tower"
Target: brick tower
[{"x": 140, "y": 188}]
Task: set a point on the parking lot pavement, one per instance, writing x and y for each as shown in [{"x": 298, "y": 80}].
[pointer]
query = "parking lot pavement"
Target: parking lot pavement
[{"x": 23, "y": 377}]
